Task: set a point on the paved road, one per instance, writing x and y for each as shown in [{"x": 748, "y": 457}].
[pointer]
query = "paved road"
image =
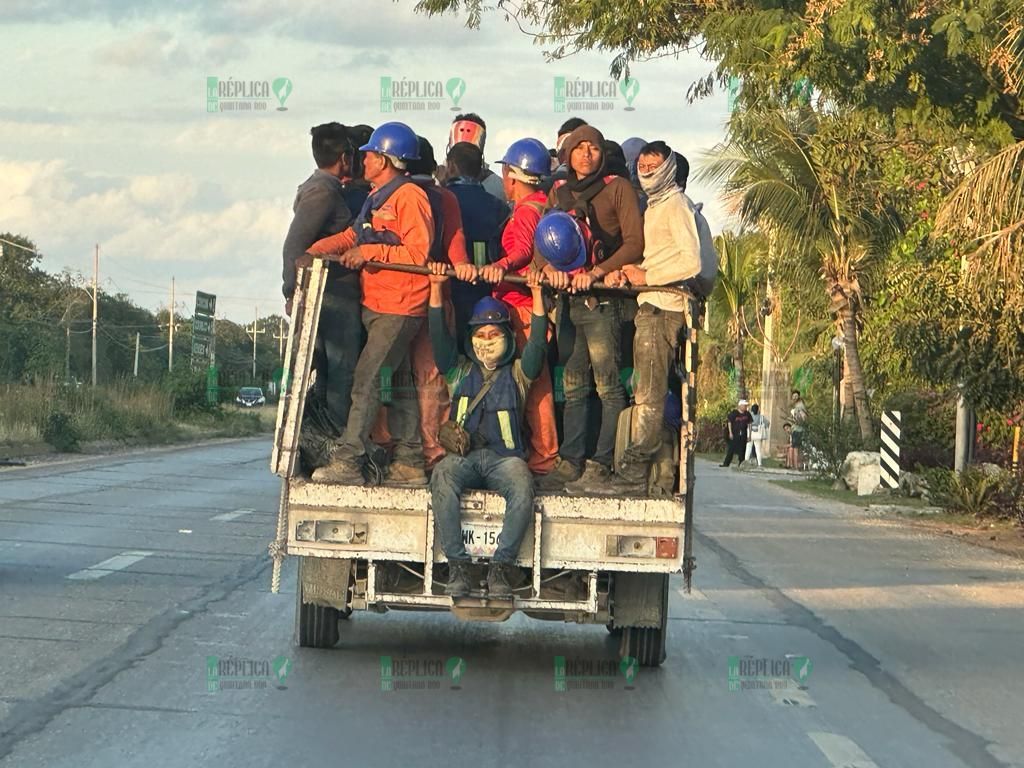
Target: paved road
[{"x": 120, "y": 576}]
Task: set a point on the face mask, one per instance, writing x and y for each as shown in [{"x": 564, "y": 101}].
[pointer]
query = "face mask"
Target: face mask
[
  {"x": 490, "y": 351},
  {"x": 661, "y": 180}
]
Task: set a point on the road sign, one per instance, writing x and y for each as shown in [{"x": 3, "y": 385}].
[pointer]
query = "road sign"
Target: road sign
[
  {"x": 206, "y": 304},
  {"x": 892, "y": 427},
  {"x": 204, "y": 331},
  {"x": 202, "y": 326}
]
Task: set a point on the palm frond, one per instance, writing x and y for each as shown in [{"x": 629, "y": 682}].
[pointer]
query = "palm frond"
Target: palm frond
[{"x": 985, "y": 214}]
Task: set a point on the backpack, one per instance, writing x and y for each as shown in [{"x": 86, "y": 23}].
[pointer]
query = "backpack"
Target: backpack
[
  {"x": 704, "y": 281},
  {"x": 483, "y": 220},
  {"x": 596, "y": 248},
  {"x": 433, "y": 193}
]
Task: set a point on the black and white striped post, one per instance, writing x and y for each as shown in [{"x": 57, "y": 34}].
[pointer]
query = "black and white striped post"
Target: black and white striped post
[{"x": 890, "y": 449}]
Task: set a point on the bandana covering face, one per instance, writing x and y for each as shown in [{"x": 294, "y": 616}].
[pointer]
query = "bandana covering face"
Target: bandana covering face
[
  {"x": 660, "y": 183},
  {"x": 490, "y": 351}
]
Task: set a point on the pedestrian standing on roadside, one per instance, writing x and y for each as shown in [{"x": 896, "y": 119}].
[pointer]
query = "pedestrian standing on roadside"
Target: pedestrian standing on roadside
[
  {"x": 799, "y": 415},
  {"x": 739, "y": 423},
  {"x": 758, "y": 434}
]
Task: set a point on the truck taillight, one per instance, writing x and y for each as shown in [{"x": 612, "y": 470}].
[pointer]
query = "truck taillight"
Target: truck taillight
[{"x": 667, "y": 547}]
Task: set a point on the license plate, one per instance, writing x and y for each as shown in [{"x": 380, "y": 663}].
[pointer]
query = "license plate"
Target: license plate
[{"x": 480, "y": 539}]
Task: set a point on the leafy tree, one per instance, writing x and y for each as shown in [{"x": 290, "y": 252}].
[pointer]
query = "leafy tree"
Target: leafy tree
[
  {"x": 917, "y": 61},
  {"x": 790, "y": 171},
  {"x": 734, "y": 291}
]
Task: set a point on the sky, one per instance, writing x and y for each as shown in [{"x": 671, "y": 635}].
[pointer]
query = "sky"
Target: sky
[{"x": 106, "y": 137}]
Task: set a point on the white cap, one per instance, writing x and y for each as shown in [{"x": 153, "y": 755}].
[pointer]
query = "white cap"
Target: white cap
[{"x": 743, "y": 402}]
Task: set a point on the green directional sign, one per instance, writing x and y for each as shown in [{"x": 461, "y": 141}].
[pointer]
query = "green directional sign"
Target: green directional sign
[{"x": 203, "y": 331}]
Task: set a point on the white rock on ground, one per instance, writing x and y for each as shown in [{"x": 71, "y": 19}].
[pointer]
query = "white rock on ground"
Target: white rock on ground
[{"x": 862, "y": 472}]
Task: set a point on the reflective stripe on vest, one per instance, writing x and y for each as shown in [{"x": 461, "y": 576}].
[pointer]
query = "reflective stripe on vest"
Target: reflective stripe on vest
[
  {"x": 505, "y": 422},
  {"x": 460, "y": 414}
]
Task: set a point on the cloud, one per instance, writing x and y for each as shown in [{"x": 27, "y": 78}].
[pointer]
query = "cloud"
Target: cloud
[
  {"x": 159, "y": 224},
  {"x": 153, "y": 49},
  {"x": 221, "y": 49}
]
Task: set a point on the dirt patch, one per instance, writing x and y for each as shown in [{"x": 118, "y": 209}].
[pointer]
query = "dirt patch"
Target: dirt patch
[{"x": 999, "y": 535}]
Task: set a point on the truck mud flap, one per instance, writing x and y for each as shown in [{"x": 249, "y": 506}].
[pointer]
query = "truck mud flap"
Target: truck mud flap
[
  {"x": 325, "y": 582},
  {"x": 638, "y": 599}
]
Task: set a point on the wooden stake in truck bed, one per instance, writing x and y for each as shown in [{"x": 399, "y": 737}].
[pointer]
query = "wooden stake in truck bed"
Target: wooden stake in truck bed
[{"x": 588, "y": 559}]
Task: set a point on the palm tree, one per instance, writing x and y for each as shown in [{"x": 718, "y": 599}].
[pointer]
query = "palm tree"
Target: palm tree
[
  {"x": 985, "y": 213},
  {"x": 734, "y": 290},
  {"x": 794, "y": 172}
]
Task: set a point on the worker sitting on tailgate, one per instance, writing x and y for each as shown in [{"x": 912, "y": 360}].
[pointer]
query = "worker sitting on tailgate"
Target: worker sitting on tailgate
[{"x": 484, "y": 435}]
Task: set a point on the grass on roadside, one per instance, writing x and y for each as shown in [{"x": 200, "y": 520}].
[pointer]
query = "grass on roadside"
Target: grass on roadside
[
  {"x": 822, "y": 488},
  {"x": 32, "y": 416}
]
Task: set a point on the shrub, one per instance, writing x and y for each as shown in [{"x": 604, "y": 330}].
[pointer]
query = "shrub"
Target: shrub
[
  {"x": 59, "y": 430},
  {"x": 979, "y": 492},
  {"x": 826, "y": 444},
  {"x": 188, "y": 390},
  {"x": 927, "y": 434},
  {"x": 1009, "y": 498},
  {"x": 711, "y": 428}
]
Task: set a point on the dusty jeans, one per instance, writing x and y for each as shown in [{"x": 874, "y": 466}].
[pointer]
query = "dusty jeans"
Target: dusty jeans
[
  {"x": 485, "y": 469},
  {"x": 388, "y": 342},
  {"x": 654, "y": 346},
  {"x": 340, "y": 335},
  {"x": 597, "y": 347}
]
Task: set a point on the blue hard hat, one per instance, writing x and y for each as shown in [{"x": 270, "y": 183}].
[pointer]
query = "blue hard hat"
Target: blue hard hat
[
  {"x": 395, "y": 139},
  {"x": 489, "y": 311},
  {"x": 528, "y": 155},
  {"x": 560, "y": 241}
]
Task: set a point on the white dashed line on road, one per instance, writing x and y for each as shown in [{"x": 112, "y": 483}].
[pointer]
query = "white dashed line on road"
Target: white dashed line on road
[
  {"x": 793, "y": 697},
  {"x": 109, "y": 566},
  {"x": 840, "y": 751},
  {"x": 224, "y": 517}
]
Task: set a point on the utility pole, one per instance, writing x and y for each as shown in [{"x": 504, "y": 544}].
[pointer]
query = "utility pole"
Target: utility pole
[
  {"x": 963, "y": 450},
  {"x": 67, "y": 350},
  {"x": 280, "y": 339},
  {"x": 170, "y": 326},
  {"x": 255, "y": 333},
  {"x": 135, "y": 370},
  {"x": 95, "y": 305}
]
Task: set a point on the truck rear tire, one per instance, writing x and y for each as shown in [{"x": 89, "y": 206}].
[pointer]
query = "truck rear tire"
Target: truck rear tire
[
  {"x": 647, "y": 644},
  {"x": 316, "y": 626}
]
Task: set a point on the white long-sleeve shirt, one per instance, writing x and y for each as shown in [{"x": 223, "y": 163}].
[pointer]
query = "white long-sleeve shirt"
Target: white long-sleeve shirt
[{"x": 671, "y": 249}]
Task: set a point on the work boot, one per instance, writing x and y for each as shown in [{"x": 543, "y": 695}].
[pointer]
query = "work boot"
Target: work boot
[
  {"x": 405, "y": 475},
  {"x": 340, "y": 471},
  {"x": 563, "y": 472},
  {"x": 630, "y": 479},
  {"x": 498, "y": 575},
  {"x": 458, "y": 578},
  {"x": 594, "y": 481}
]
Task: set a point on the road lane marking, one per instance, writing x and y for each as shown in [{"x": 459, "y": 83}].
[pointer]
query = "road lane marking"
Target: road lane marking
[
  {"x": 793, "y": 697},
  {"x": 749, "y": 506},
  {"x": 224, "y": 517},
  {"x": 109, "y": 566},
  {"x": 840, "y": 751}
]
